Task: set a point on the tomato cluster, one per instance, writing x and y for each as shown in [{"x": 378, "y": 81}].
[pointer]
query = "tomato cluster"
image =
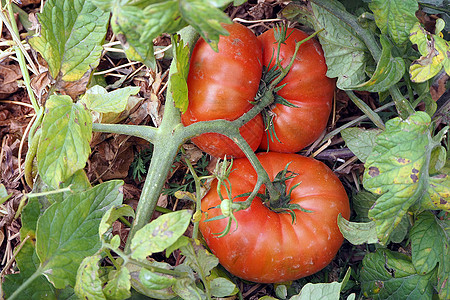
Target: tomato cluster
[
  {"x": 300, "y": 236},
  {"x": 222, "y": 85}
]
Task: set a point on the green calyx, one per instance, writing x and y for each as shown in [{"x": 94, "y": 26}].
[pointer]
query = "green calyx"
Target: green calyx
[{"x": 283, "y": 203}]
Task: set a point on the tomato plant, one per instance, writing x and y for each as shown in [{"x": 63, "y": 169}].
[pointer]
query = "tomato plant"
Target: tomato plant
[
  {"x": 267, "y": 246},
  {"x": 306, "y": 87},
  {"x": 222, "y": 85}
]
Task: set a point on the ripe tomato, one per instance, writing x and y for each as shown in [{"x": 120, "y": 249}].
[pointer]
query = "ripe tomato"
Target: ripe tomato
[
  {"x": 307, "y": 87},
  {"x": 221, "y": 86},
  {"x": 267, "y": 246}
]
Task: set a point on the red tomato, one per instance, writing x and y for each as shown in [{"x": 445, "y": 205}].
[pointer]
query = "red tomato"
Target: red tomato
[
  {"x": 221, "y": 86},
  {"x": 267, "y": 247},
  {"x": 306, "y": 87}
]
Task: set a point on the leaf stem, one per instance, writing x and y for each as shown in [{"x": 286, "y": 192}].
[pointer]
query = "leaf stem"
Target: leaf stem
[
  {"x": 148, "y": 133},
  {"x": 25, "y": 284},
  {"x": 373, "y": 116}
]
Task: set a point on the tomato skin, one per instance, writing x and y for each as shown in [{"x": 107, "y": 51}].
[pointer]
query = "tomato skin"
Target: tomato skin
[
  {"x": 221, "y": 86},
  {"x": 306, "y": 87},
  {"x": 266, "y": 247}
]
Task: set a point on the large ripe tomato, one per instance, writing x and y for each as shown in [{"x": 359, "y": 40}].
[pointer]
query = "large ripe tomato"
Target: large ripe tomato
[
  {"x": 221, "y": 86},
  {"x": 267, "y": 247},
  {"x": 307, "y": 87}
]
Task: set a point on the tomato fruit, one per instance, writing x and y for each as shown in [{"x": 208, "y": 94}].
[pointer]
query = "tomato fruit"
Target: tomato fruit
[
  {"x": 221, "y": 86},
  {"x": 307, "y": 87},
  {"x": 267, "y": 246}
]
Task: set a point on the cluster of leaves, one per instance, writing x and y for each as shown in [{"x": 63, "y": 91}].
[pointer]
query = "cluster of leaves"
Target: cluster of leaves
[
  {"x": 68, "y": 247},
  {"x": 406, "y": 166}
]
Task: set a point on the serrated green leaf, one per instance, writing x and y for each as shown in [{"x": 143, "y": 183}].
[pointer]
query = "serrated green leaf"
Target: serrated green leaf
[
  {"x": 155, "y": 281},
  {"x": 435, "y": 53},
  {"x": 64, "y": 143},
  {"x": 199, "y": 259},
  {"x": 178, "y": 80},
  {"x": 358, "y": 233},
  {"x": 28, "y": 262},
  {"x": 430, "y": 246},
  {"x": 67, "y": 232},
  {"x": 159, "y": 234},
  {"x": 71, "y": 36},
  {"x": 30, "y": 216},
  {"x": 112, "y": 215},
  {"x": 397, "y": 169},
  {"x": 395, "y": 17},
  {"x": 88, "y": 284},
  {"x": 119, "y": 284},
  {"x": 362, "y": 202},
  {"x": 345, "y": 53},
  {"x": 391, "y": 275},
  {"x": 360, "y": 141},
  {"x": 389, "y": 71},
  {"x": 137, "y": 27},
  {"x": 206, "y": 18},
  {"x": 100, "y": 100}
]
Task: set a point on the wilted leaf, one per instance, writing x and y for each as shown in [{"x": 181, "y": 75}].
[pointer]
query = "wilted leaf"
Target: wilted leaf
[
  {"x": 391, "y": 275},
  {"x": 435, "y": 53},
  {"x": 358, "y": 233},
  {"x": 102, "y": 101},
  {"x": 397, "y": 169},
  {"x": 159, "y": 234},
  {"x": 64, "y": 143},
  {"x": 71, "y": 37},
  {"x": 67, "y": 232},
  {"x": 395, "y": 17}
]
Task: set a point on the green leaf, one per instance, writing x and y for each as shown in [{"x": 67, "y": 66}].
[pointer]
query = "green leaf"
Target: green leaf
[
  {"x": 389, "y": 71},
  {"x": 88, "y": 284},
  {"x": 28, "y": 262},
  {"x": 159, "y": 234},
  {"x": 186, "y": 289},
  {"x": 199, "y": 259},
  {"x": 140, "y": 284},
  {"x": 112, "y": 215},
  {"x": 206, "y": 18},
  {"x": 100, "y": 100},
  {"x": 64, "y": 143},
  {"x": 329, "y": 291},
  {"x": 397, "y": 169},
  {"x": 119, "y": 284},
  {"x": 345, "y": 53},
  {"x": 67, "y": 232},
  {"x": 178, "y": 80},
  {"x": 391, "y": 275},
  {"x": 362, "y": 202},
  {"x": 71, "y": 36},
  {"x": 395, "y": 17},
  {"x": 358, "y": 233},
  {"x": 155, "y": 281},
  {"x": 360, "y": 141},
  {"x": 430, "y": 246},
  {"x": 438, "y": 194},
  {"x": 30, "y": 216},
  {"x": 222, "y": 287},
  {"x": 435, "y": 53}
]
